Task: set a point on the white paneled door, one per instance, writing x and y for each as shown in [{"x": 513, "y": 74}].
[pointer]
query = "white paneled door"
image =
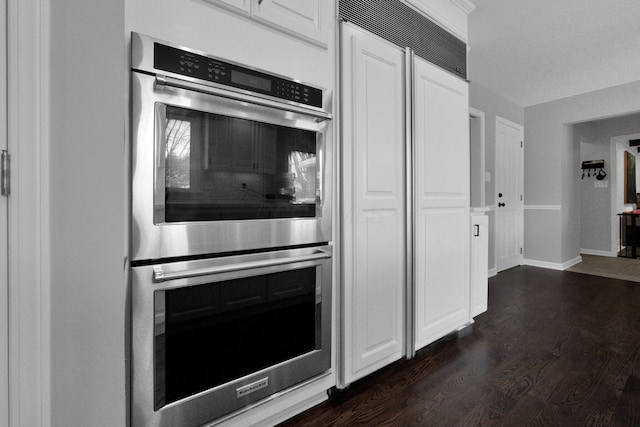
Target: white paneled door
[
  {"x": 373, "y": 204},
  {"x": 441, "y": 194},
  {"x": 509, "y": 193}
]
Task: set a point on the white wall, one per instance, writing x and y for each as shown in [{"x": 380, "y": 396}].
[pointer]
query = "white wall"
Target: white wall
[
  {"x": 492, "y": 105},
  {"x": 552, "y": 160},
  {"x": 87, "y": 210}
]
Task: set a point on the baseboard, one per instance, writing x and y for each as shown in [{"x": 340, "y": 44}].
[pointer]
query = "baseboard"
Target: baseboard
[
  {"x": 598, "y": 252},
  {"x": 552, "y": 265}
]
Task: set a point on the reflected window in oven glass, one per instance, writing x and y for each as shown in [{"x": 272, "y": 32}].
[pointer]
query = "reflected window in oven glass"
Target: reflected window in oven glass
[
  {"x": 302, "y": 167},
  {"x": 178, "y": 153}
]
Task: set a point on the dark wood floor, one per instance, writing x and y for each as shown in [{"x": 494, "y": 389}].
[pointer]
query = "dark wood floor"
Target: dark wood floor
[{"x": 554, "y": 349}]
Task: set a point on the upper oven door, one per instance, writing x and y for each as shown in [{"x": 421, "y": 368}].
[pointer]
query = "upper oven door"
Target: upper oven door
[{"x": 215, "y": 172}]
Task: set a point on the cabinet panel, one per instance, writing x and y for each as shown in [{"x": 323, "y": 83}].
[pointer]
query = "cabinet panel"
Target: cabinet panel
[
  {"x": 441, "y": 273},
  {"x": 441, "y": 188},
  {"x": 479, "y": 263},
  {"x": 373, "y": 200},
  {"x": 377, "y": 296},
  {"x": 443, "y": 158},
  {"x": 303, "y": 18},
  {"x": 242, "y": 7}
]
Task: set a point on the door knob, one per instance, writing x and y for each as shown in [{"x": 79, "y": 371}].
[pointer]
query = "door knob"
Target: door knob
[
  {"x": 499, "y": 194},
  {"x": 501, "y": 205}
]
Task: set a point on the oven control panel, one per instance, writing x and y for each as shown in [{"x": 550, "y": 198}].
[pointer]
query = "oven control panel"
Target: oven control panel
[{"x": 171, "y": 59}]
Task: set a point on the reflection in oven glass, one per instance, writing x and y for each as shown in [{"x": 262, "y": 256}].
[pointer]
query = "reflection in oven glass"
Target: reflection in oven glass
[
  {"x": 227, "y": 168},
  {"x": 207, "y": 335}
]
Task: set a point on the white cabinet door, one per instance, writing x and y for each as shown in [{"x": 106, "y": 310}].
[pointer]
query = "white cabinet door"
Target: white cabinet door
[
  {"x": 479, "y": 263},
  {"x": 242, "y": 7},
  {"x": 373, "y": 281},
  {"x": 303, "y": 18},
  {"x": 441, "y": 189}
]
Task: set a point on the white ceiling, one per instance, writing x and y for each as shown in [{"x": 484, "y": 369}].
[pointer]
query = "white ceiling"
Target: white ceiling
[{"x": 534, "y": 51}]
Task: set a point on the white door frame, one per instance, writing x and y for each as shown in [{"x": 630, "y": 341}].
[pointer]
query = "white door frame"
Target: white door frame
[
  {"x": 28, "y": 265},
  {"x": 4, "y": 242},
  {"x": 501, "y": 120},
  {"x": 616, "y": 180},
  {"x": 480, "y": 116}
]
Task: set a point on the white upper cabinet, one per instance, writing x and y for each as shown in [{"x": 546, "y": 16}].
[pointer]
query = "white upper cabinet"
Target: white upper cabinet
[
  {"x": 374, "y": 204},
  {"x": 303, "y": 19},
  {"x": 242, "y": 7}
]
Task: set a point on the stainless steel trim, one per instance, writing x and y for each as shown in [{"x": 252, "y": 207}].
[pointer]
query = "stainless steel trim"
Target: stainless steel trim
[
  {"x": 339, "y": 229},
  {"x": 268, "y": 399},
  {"x": 162, "y": 80},
  {"x": 5, "y": 173},
  {"x": 410, "y": 219},
  {"x": 159, "y": 275}
]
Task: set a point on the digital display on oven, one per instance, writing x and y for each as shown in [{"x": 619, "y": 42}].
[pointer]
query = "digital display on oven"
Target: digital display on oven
[
  {"x": 201, "y": 67},
  {"x": 250, "y": 81}
]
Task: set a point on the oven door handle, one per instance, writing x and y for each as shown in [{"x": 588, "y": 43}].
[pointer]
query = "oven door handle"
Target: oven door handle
[
  {"x": 211, "y": 90},
  {"x": 159, "y": 275}
]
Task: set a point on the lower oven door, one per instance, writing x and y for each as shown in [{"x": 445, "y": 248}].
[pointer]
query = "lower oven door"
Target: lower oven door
[{"x": 212, "y": 336}]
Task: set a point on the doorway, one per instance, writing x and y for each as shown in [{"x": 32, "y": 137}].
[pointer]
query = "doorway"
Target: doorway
[
  {"x": 509, "y": 193},
  {"x": 601, "y": 200}
]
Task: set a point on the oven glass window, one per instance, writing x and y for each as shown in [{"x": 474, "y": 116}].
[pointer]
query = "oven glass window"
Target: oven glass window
[
  {"x": 207, "y": 335},
  {"x": 227, "y": 168}
]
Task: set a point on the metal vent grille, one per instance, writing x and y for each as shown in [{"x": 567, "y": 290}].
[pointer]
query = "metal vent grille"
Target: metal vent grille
[{"x": 401, "y": 25}]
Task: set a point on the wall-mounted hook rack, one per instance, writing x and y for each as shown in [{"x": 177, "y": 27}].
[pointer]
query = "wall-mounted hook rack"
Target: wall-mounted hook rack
[
  {"x": 593, "y": 164},
  {"x": 594, "y": 168}
]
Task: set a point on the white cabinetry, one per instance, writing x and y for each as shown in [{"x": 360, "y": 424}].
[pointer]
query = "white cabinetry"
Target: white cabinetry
[
  {"x": 242, "y": 7},
  {"x": 441, "y": 176},
  {"x": 302, "y": 18},
  {"x": 479, "y": 263},
  {"x": 373, "y": 204},
  {"x": 405, "y": 239},
  {"x": 305, "y": 19}
]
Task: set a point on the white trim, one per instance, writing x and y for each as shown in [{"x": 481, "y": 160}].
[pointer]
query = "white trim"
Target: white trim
[
  {"x": 4, "y": 256},
  {"x": 29, "y": 270},
  {"x": 542, "y": 207},
  {"x": 492, "y": 272},
  {"x": 450, "y": 15},
  {"x": 552, "y": 265},
  {"x": 480, "y": 211},
  {"x": 466, "y": 6},
  {"x": 479, "y": 115},
  {"x": 597, "y": 252}
]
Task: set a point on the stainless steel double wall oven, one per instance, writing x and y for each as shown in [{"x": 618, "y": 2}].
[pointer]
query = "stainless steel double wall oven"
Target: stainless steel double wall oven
[{"x": 230, "y": 235}]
